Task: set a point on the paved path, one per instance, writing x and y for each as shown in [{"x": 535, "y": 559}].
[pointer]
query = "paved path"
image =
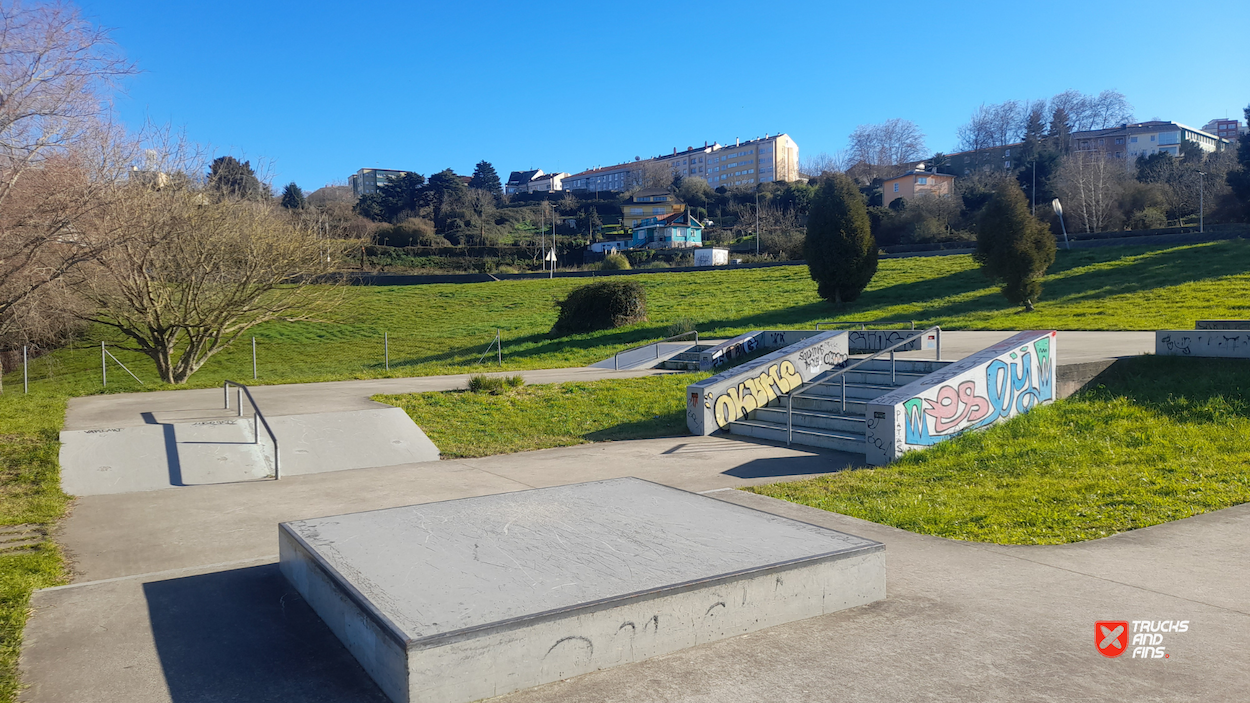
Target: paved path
[
  {"x": 128, "y": 409},
  {"x": 177, "y": 598}
]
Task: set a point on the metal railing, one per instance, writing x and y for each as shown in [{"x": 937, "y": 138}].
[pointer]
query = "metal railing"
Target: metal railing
[
  {"x": 258, "y": 418},
  {"x": 840, "y": 374},
  {"x": 864, "y": 325},
  {"x": 616, "y": 359}
]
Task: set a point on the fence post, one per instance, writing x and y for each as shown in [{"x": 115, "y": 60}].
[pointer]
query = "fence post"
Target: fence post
[
  {"x": 253, "y": 358},
  {"x": 25, "y": 377},
  {"x": 386, "y": 349},
  {"x": 499, "y": 345}
]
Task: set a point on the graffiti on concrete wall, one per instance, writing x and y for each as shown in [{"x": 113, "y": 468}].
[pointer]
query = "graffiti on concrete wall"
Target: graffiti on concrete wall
[
  {"x": 1227, "y": 344},
  {"x": 869, "y": 341},
  {"x": 752, "y": 393},
  {"x": 735, "y": 350},
  {"x": 1013, "y": 384}
]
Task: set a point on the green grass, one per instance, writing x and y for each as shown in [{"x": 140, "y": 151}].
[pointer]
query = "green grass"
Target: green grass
[
  {"x": 445, "y": 328},
  {"x": 1163, "y": 439},
  {"x": 30, "y": 493},
  {"x": 466, "y": 424}
]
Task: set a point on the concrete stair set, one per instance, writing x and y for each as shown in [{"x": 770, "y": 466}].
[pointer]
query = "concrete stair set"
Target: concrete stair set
[
  {"x": 684, "y": 361},
  {"x": 822, "y": 417}
]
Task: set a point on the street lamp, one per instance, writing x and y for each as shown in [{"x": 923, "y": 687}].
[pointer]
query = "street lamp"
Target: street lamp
[
  {"x": 1059, "y": 211},
  {"x": 757, "y": 220}
]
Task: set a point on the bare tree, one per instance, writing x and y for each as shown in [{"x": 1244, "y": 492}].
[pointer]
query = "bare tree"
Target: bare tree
[
  {"x": 648, "y": 174},
  {"x": 1089, "y": 184},
  {"x": 823, "y": 164},
  {"x": 882, "y": 147},
  {"x": 994, "y": 125},
  {"x": 195, "y": 273},
  {"x": 1085, "y": 112},
  {"x": 59, "y": 156}
]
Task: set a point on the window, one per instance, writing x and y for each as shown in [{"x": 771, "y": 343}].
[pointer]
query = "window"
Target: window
[
  {"x": 1119, "y": 140},
  {"x": 923, "y": 180},
  {"x": 1101, "y": 142},
  {"x": 635, "y": 211},
  {"x": 895, "y": 187},
  {"x": 1132, "y": 140},
  {"x": 1006, "y": 164},
  {"x": 1007, "y": 152}
]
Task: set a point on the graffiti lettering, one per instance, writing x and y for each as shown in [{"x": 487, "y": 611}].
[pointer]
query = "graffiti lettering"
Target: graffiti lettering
[
  {"x": 753, "y": 393},
  {"x": 735, "y": 350},
  {"x": 1181, "y": 345}
]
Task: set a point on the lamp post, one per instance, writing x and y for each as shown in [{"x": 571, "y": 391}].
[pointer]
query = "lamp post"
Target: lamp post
[
  {"x": 1059, "y": 211},
  {"x": 757, "y": 220}
]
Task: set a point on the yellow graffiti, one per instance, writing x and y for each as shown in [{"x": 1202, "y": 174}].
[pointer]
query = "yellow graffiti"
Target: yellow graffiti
[{"x": 757, "y": 392}]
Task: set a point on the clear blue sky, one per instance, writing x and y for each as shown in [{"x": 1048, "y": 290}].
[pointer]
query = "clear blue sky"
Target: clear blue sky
[{"x": 320, "y": 89}]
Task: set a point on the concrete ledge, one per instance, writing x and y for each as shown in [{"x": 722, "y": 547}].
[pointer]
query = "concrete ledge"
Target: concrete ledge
[
  {"x": 462, "y": 600},
  {"x": 1211, "y": 343}
]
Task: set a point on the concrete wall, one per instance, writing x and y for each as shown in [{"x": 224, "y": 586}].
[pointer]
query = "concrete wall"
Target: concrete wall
[
  {"x": 749, "y": 343},
  {"x": 1222, "y": 325},
  {"x": 1223, "y": 344},
  {"x": 870, "y": 341},
  {"x": 994, "y": 384},
  {"x": 713, "y": 403}
]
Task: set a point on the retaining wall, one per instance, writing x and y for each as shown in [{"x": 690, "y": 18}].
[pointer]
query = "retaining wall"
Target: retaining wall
[
  {"x": 714, "y": 402},
  {"x": 994, "y": 384},
  {"x": 749, "y": 343},
  {"x": 1213, "y": 343}
]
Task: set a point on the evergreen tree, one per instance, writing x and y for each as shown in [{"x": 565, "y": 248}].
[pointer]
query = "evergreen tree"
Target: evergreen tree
[
  {"x": 1060, "y": 131},
  {"x": 1239, "y": 178},
  {"x": 1034, "y": 133},
  {"x": 485, "y": 178},
  {"x": 1046, "y": 164},
  {"x": 233, "y": 179},
  {"x": 1014, "y": 248},
  {"x": 293, "y": 197},
  {"x": 840, "y": 249}
]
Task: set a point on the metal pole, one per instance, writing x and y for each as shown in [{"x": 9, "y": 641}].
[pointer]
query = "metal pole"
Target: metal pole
[
  {"x": 892, "y": 381},
  {"x": 253, "y": 358},
  {"x": 238, "y": 398},
  {"x": 1201, "y": 203},
  {"x": 25, "y": 378},
  {"x": 757, "y": 220},
  {"x": 499, "y": 344},
  {"x": 1033, "y": 190},
  {"x": 939, "y": 344},
  {"x": 386, "y": 349},
  {"x": 225, "y": 392},
  {"x": 104, "y": 372},
  {"x": 843, "y": 377}
]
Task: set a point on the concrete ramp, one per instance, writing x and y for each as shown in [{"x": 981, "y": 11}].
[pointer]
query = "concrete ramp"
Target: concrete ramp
[{"x": 168, "y": 455}]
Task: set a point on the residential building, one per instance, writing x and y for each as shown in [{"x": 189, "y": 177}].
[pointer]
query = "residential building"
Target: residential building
[
  {"x": 676, "y": 231},
  {"x": 1225, "y": 129},
  {"x": 1132, "y": 140},
  {"x": 608, "y": 179},
  {"x": 649, "y": 203},
  {"x": 1005, "y": 157},
  {"x": 773, "y": 158},
  {"x": 368, "y": 180},
  {"x": 519, "y": 181},
  {"x": 547, "y": 183},
  {"x": 916, "y": 183}
]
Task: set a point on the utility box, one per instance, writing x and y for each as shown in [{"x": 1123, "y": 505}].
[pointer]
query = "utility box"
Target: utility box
[{"x": 711, "y": 256}]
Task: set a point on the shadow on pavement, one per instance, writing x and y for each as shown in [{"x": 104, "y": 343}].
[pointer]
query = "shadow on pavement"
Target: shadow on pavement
[
  {"x": 796, "y": 466},
  {"x": 246, "y": 635}
]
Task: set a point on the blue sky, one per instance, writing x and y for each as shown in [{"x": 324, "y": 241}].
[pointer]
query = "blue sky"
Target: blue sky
[{"x": 320, "y": 89}]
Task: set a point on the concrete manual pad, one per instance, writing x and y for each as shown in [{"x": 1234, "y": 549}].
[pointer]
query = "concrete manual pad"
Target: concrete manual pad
[{"x": 467, "y": 599}]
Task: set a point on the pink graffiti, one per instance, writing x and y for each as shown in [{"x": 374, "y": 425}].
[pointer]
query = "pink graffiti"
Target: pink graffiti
[{"x": 954, "y": 407}]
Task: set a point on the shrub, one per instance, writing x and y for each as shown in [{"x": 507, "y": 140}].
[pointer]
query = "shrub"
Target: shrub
[
  {"x": 495, "y": 385},
  {"x": 1013, "y": 247},
  {"x": 840, "y": 249},
  {"x": 681, "y": 326},
  {"x": 614, "y": 262},
  {"x": 1148, "y": 218},
  {"x": 600, "y": 306}
]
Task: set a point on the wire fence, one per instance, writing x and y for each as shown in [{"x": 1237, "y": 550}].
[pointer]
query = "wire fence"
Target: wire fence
[{"x": 89, "y": 366}]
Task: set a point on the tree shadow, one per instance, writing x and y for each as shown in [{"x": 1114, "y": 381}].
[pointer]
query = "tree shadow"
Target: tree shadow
[
  {"x": 247, "y": 635},
  {"x": 1185, "y": 389}
]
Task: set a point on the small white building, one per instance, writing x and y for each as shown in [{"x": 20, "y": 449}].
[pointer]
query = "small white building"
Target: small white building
[{"x": 711, "y": 256}]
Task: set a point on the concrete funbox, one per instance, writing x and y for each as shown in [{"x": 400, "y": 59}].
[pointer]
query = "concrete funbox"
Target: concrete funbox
[{"x": 467, "y": 599}]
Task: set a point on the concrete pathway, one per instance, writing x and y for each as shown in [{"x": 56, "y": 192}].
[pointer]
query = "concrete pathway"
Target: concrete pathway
[{"x": 177, "y": 598}]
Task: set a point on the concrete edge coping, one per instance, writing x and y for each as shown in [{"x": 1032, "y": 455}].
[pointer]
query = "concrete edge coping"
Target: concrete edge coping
[{"x": 384, "y": 623}]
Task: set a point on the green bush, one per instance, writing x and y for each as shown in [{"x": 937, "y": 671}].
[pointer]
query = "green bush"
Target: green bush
[
  {"x": 614, "y": 262},
  {"x": 601, "y": 306},
  {"x": 495, "y": 385},
  {"x": 681, "y": 326}
]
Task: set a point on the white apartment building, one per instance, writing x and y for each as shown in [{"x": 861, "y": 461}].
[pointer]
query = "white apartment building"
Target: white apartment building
[
  {"x": 1130, "y": 141},
  {"x": 772, "y": 158}
]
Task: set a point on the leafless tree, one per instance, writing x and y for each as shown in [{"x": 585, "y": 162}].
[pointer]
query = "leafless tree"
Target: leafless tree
[
  {"x": 994, "y": 125},
  {"x": 1089, "y": 184},
  {"x": 882, "y": 147},
  {"x": 823, "y": 164},
  {"x": 648, "y": 174},
  {"x": 59, "y": 155},
  {"x": 1085, "y": 112},
  {"x": 195, "y": 273}
]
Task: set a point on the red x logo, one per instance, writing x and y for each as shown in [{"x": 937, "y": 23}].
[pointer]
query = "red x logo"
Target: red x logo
[{"x": 1111, "y": 637}]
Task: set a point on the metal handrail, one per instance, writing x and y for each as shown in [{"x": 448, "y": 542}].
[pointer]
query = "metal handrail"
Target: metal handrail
[
  {"x": 840, "y": 374},
  {"x": 616, "y": 359},
  {"x": 257, "y": 417},
  {"x": 863, "y": 325}
]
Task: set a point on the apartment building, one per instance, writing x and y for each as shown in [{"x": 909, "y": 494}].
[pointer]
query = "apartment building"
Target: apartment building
[
  {"x": 1005, "y": 157},
  {"x": 368, "y": 180},
  {"x": 1225, "y": 129},
  {"x": 1130, "y": 141},
  {"x": 604, "y": 180},
  {"x": 534, "y": 181}
]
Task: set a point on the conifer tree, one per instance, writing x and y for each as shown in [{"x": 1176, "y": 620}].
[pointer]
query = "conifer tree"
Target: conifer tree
[
  {"x": 1239, "y": 179},
  {"x": 485, "y": 178},
  {"x": 293, "y": 197},
  {"x": 840, "y": 249},
  {"x": 1014, "y": 248}
]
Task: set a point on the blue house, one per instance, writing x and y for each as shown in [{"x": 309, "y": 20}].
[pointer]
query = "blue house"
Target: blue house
[{"x": 676, "y": 231}]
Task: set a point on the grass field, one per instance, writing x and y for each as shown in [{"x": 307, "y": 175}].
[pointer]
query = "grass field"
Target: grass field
[
  {"x": 440, "y": 328},
  {"x": 1165, "y": 438},
  {"x": 464, "y": 424},
  {"x": 30, "y": 494}
]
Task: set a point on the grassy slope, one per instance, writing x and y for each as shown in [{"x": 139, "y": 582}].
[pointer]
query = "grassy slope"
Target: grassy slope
[
  {"x": 30, "y": 493},
  {"x": 464, "y": 424},
  {"x": 1164, "y": 439},
  {"x": 439, "y": 328}
]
